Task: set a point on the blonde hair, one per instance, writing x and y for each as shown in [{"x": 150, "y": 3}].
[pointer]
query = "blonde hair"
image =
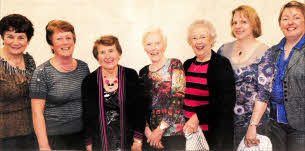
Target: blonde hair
[
  {"x": 202, "y": 23},
  {"x": 151, "y": 30},
  {"x": 251, "y": 14}
]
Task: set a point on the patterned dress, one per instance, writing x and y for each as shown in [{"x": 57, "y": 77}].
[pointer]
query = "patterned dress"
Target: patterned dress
[{"x": 253, "y": 81}]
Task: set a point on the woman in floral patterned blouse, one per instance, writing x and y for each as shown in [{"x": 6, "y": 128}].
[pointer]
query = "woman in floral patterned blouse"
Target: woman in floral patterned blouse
[
  {"x": 253, "y": 75},
  {"x": 165, "y": 82}
]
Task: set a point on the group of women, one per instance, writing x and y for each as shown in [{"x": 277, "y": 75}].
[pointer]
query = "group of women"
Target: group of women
[{"x": 243, "y": 90}]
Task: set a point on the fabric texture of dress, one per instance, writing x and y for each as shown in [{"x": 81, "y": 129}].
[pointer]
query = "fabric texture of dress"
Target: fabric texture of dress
[
  {"x": 15, "y": 105},
  {"x": 253, "y": 81},
  {"x": 166, "y": 86}
]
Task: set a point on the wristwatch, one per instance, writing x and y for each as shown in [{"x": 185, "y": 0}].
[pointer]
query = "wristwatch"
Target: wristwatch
[{"x": 162, "y": 126}]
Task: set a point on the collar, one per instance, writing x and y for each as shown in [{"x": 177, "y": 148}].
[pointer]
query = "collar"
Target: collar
[
  {"x": 299, "y": 45},
  {"x": 212, "y": 56}
]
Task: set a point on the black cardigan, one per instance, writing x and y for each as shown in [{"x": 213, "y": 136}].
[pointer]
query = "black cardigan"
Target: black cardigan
[
  {"x": 222, "y": 100},
  {"x": 134, "y": 110}
]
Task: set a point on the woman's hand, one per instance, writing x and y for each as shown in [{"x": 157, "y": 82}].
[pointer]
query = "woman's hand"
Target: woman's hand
[
  {"x": 250, "y": 139},
  {"x": 39, "y": 124},
  {"x": 137, "y": 145},
  {"x": 45, "y": 148},
  {"x": 147, "y": 132},
  {"x": 155, "y": 138},
  {"x": 89, "y": 147},
  {"x": 191, "y": 125}
]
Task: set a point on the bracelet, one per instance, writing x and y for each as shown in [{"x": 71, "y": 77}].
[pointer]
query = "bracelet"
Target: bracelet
[
  {"x": 137, "y": 141},
  {"x": 253, "y": 124}
]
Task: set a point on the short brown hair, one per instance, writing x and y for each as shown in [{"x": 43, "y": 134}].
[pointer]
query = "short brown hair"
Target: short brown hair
[
  {"x": 251, "y": 14},
  {"x": 107, "y": 40},
  {"x": 292, "y": 4},
  {"x": 58, "y": 25}
]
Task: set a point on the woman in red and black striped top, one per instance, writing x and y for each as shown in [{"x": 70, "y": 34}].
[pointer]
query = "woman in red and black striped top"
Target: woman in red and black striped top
[{"x": 210, "y": 90}]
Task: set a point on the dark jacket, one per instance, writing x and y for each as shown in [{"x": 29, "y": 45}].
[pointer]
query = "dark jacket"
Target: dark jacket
[
  {"x": 222, "y": 100},
  {"x": 294, "y": 87},
  {"x": 133, "y": 109}
]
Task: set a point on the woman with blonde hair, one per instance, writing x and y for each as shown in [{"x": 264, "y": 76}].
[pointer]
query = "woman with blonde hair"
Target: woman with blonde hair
[
  {"x": 253, "y": 75},
  {"x": 210, "y": 91},
  {"x": 165, "y": 84}
]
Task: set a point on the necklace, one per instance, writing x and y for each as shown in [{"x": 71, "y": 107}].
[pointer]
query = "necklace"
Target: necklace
[
  {"x": 112, "y": 83},
  {"x": 197, "y": 65},
  {"x": 67, "y": 69}
]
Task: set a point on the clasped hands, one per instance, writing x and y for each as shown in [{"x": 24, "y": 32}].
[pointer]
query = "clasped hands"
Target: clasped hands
[{"x": 154, "y": 137}]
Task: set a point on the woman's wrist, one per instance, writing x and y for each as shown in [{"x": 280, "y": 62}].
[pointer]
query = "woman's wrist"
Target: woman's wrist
[
  {"x": 254, "y": 124},
  {"x": 137, "y": 141}
]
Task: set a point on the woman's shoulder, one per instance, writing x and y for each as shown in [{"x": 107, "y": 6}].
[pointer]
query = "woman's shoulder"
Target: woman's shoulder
[
  {"x": 130, "y": 71},
  {"x": 29, "y": 62},
  {"x": 81, "y": 63},
  {"x": 175, "y": 60},
  {"x": 144, "y": 70},
  {"x": 44, "y": 65},
  {"x": 226, "y": 48},
  {"x": 92, "y": 76}
]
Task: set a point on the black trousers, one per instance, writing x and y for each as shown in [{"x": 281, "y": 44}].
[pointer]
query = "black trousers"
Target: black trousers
[
  {"x": 170, "y": 143},
  {"x": 285, "y": 138},
  {"x": 19, "y": 143},
  {"x": 73, "y": 141}
]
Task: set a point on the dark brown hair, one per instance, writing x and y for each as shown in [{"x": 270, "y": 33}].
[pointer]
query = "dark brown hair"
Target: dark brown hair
[
  {"x": 17, "y": 23},
  {"x": 107, "y": 40}
]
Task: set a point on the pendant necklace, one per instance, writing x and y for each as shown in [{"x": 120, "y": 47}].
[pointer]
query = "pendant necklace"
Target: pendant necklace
[{"x": 111, "y": 84}]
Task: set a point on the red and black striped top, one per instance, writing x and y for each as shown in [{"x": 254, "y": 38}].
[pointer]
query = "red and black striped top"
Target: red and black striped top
[{"x": 197, "y": 93}]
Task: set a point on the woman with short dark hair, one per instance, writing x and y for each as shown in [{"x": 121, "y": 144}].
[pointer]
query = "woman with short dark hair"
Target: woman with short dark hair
[
  {"x": 112, "y": 105},
  {"x": 16, "y": 69}
]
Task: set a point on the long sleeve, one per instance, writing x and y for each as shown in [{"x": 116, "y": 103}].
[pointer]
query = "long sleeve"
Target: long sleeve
[
  {"x": 222, "y": 93},
  {"x": 87, "y": 113}
]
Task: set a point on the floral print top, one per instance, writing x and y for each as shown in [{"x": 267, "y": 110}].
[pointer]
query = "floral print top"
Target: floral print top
[
  {"x": 252, "y": 82},
  {"x": 167, "y": 93}
]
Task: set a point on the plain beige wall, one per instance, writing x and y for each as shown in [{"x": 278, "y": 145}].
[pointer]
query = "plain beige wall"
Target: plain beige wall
[{"x": 127, "y": 19}]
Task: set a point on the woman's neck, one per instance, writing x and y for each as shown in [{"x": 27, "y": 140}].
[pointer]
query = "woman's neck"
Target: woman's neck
[
  {"x": 14, "y": 60},
  {"x": 205, "y": 57},
  {"x": 63, "y": 60},
  {"x": 110, "y": 72},
  {"x": 157, "y": 65},
  {"x": 291, "y": 42},
  {"x": 246, "y": 43}
]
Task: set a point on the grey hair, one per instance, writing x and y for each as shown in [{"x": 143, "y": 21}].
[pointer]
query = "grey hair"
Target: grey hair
[
  {"x": 151, "y": 30},
  {"x": 202, "y": 23}
]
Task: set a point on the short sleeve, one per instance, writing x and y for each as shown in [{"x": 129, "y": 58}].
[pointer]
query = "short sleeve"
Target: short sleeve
[
  {"x": 38, "y": 85},
  {"x": 264, "y": 78}
]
